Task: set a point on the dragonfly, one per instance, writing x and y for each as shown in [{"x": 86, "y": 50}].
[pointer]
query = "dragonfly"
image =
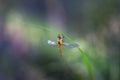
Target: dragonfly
[{"x": 60, "y": 43}]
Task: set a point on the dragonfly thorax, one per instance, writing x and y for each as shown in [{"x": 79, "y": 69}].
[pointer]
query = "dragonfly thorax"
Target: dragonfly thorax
[{"x": 60, "y": 42}]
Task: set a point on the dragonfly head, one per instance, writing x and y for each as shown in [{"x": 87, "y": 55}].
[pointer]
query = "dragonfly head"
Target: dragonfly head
[{"x": 60, "y": 36}]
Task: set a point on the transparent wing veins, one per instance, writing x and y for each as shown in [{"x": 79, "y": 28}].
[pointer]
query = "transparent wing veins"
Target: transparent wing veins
[
  {"x": 70, "y": 45},
  {"x": 51, "y": 42},
  {"x": 64, "y": 44}
]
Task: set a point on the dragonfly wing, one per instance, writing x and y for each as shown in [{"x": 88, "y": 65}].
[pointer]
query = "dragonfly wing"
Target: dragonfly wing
[
  {"x": 70, "y": 45},
  {"x": 51, "y": 42}
]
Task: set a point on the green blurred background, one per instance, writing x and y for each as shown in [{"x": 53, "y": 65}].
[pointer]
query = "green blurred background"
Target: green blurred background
[{"x": 26, "y": 25}]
